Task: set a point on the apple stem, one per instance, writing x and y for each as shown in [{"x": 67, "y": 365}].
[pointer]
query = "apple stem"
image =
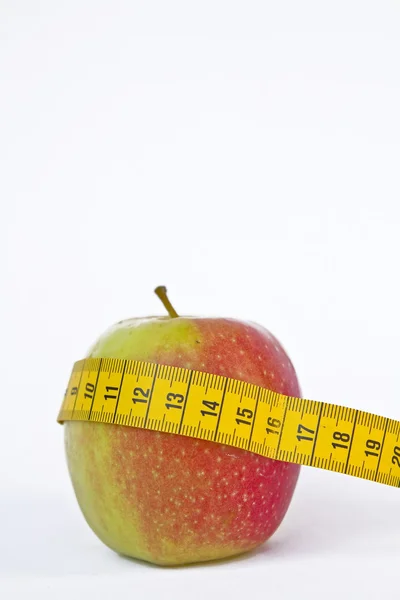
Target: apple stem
[{"x": 161, "y": 292}]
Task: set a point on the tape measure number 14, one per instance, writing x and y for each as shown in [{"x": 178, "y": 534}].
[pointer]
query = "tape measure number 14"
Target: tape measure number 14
[{"x": 219, "y": 409}]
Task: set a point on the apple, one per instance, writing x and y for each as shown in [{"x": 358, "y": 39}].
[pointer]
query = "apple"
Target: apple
[{"x": 170, "y": 499}]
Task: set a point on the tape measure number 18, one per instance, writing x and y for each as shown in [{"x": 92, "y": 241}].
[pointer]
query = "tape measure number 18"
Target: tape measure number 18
[{"x": 219, "y": 409}]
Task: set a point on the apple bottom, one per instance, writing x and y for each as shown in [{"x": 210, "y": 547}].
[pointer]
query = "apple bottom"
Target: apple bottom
[{"x": 170, "y": 499}]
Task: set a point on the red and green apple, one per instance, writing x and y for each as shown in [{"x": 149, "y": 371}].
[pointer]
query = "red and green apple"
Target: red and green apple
[{"x": 170, "y": 499}]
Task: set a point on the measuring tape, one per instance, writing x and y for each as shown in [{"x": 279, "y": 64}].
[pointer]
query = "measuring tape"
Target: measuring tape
[{"x": 232, "y": 412}]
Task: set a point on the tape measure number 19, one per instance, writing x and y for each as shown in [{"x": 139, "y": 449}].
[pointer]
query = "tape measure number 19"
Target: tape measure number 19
[{"x": 219, "y": 409}]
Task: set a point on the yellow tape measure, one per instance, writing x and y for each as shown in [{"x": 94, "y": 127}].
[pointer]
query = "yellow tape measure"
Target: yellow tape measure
[{"x": 224, "y": 410}]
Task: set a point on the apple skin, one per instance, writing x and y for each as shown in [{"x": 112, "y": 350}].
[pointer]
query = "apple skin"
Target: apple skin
[{"x": 170, "y": 499}]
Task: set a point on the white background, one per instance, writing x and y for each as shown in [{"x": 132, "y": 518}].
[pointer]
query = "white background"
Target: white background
[{"x": 245, "y": 154}]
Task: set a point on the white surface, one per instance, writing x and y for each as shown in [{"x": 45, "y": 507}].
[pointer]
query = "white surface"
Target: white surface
[{"x": 246, "y": 154}]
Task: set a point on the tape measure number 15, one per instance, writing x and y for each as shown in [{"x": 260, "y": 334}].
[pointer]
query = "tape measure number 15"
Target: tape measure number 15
[{"x": 219, "y": 409}]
